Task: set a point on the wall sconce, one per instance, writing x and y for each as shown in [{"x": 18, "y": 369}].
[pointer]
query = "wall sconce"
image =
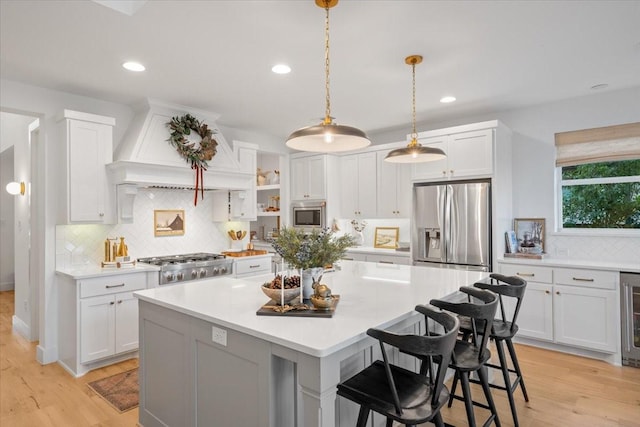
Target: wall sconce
[{"x": 15, "y": 188}]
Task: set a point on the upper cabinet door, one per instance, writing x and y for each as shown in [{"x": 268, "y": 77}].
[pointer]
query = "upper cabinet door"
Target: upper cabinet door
[
  {"x": 308, "y": 178},
  {"x": 87, "y": 149},
  {"x": 358, "y": 171},
  {"x": 436, "y": 169},
  {"x": 469, "y": 154},
  {"x": 394, "y": 188}
]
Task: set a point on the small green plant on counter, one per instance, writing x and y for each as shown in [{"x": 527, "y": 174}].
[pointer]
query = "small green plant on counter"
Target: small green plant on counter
[{"x": 307, "y": 250}]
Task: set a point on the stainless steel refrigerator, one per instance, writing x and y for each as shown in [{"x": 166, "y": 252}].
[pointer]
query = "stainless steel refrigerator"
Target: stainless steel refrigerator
[{"x": 451, "y": 225}]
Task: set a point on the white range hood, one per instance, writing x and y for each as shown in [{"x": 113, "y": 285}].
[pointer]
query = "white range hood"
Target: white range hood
[{"x": 145, "y": 157}]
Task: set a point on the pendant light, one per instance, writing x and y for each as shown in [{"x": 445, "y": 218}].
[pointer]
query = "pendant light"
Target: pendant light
[
  {"x": 414, "y": 152},
  {"x": 327, "y": 137}
]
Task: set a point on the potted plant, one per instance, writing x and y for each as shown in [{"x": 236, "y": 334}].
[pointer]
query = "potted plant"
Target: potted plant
[{"x": 311, "y": 252}]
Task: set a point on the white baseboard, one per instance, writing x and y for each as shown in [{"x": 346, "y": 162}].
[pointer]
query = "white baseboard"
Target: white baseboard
[
  {"x": 7, "y": 286},
  {"x": 21, "y": 328},
  {"x": 46, "y": 355}
]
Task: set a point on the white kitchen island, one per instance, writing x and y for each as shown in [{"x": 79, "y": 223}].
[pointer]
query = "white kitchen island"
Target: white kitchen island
[{"x": 207, "y": 359}]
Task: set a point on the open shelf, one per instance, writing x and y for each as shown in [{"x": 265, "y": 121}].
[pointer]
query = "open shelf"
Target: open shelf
[
  {"x": 268, "y": 187},
  {"x": 269, "y": 213}
]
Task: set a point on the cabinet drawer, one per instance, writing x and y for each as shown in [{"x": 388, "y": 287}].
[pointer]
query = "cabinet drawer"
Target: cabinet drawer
[
  {"x": 112, "y": 284},
  {"x": 253, "y": 266},
  {"x": 587, "y": 278},
  {"x": 388, "y": 259},
  {"x": 530, "y": 273}
]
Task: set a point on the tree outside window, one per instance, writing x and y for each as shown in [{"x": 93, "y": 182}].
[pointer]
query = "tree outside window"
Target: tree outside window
[{"x": 602, "y": 195}]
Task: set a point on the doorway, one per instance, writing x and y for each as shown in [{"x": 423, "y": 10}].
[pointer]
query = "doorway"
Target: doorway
[{"x": 20, "y": 133}]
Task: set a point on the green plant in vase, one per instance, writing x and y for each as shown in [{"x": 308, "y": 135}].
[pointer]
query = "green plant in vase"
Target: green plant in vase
[{"x": 311, "y": 252}]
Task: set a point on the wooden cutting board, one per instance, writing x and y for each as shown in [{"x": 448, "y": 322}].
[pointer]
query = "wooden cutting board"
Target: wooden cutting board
[{"x": 247, "y": 252}]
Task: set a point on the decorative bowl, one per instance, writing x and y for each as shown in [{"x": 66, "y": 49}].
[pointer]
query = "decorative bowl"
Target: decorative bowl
[
  {"x": 276, "y": 294},
  {"x": 322, "y": 303}
]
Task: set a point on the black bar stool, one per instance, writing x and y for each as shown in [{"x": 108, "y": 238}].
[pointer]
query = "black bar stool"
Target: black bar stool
[
  {"x": 397, "y": 393},
  {"x": 504, "y": 330},
  {"x": 470, "y": 355}
]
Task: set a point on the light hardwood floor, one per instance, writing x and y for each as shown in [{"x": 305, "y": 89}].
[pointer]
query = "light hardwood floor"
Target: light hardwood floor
[{"x": 564, "y": 390}]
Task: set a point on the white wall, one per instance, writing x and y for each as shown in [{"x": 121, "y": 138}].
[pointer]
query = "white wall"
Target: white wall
[
  {"x": 534, "y": 163},
  {"x": 6, "y": 221}
]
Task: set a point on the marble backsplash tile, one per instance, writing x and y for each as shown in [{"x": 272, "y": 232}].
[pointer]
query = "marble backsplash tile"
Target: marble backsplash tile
[{"x": 595, "y": 248}]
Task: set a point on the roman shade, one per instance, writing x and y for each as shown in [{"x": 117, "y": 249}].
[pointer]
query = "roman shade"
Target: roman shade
[{"x": 605, "y": 144}]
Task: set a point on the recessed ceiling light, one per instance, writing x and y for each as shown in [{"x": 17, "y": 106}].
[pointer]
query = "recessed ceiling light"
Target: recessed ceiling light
[
  {"x": 599, "y": 86},
  {"x": 133, "y": 66},
  {"x": 447, "y": 99},
  {"x": 281, "y": 69}
]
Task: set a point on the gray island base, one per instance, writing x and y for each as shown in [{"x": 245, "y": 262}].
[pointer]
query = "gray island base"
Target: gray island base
[{"x": 207, "y": 359}]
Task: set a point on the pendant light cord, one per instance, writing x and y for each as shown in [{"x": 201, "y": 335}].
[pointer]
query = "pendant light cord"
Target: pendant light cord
[
  {"x": 327, "y": 118},
  {"x": 414, "y": 134}
]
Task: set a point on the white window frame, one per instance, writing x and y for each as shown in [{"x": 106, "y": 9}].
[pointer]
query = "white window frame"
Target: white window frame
[{"x": 560, "y": 183}]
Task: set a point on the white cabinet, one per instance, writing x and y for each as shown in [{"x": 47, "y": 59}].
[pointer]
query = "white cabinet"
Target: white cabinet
[
  {"x": 86, "y": 148},
  {"x": 393, "y": 189},
  {"x": 469, "y": 154},
  {"x": 358, "y": 172},
  {"x": 391, "y": 258},
  {"x": 98, "y": 320},
  {"x": 574, "y": 307},
  {"x": 243, "y": 205},
  {"x": 252, "y": 266},
  {"x": 109, "y": 326},
  {"x": 388, "y": 259},
  {"x": 308, "y": 178},
  {"x": 236, "y": 205}
]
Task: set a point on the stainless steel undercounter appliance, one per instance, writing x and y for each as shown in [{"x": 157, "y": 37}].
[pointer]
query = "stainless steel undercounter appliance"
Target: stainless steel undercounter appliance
[
  {"x": 184, "y": 268},
  {"x": 451, "y": 225},
  {"x": 630, "y": 322}
]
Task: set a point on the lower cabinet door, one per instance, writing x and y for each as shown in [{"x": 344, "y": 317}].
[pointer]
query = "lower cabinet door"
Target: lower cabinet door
[
  {"x": 535, "y": 319},
  {"x": 97, "y": 335},
  {"x": 585, "y": 317},
  {"x": 126, "y": 320}
]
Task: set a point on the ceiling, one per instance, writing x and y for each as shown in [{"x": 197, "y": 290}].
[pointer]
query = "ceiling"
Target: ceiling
[{"x": 217, "y": 56}]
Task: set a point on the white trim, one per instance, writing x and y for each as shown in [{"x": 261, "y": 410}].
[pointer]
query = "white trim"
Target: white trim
[
  {"x": 20, "y": 327},
  {"x": 46, "y": 355},
  {"x": 598, "y": 232},
  {"x": 7, "y": 286},
  {"x": 594, "y": 181}
]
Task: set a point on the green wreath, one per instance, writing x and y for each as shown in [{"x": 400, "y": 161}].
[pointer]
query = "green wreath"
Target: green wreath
[{"x": 197, "y": 155}]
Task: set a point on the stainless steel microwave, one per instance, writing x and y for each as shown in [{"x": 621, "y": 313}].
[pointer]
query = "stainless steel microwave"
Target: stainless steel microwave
[{"x": 309, "y": 215}]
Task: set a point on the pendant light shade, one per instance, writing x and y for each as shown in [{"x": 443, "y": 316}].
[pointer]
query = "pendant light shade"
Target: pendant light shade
[
  {"x": 414, "y": 152},
  {"x": 327, "y": 137}
]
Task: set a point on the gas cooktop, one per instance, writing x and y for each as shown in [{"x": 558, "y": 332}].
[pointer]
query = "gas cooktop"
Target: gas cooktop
[{"x": 186, "y": 267}]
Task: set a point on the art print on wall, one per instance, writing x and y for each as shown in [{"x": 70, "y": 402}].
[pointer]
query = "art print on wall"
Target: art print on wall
[
  {"x": 530, "y": 235},
  {"x": 386, "y": 237},
  {"x": 168, "y": 222}
]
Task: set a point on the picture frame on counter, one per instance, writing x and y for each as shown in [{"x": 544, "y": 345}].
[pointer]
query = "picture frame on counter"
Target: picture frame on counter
[
  {"x": 530, "y": 235},
  {"x": 168, "y": 222},
  {"x": 386, "y": 237}
]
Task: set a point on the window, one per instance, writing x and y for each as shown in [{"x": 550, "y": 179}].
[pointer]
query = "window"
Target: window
[
  {"x": 601, "y": 195},
  {"x": 599, "y": 178}
]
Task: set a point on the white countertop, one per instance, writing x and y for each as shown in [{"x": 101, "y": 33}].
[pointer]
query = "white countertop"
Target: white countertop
[
  {"x": 378, "y": 251},
  {"x": 371, "y": 295},
  {"x": 572, "y": 263},
  {"x": 93, "y": 270}
]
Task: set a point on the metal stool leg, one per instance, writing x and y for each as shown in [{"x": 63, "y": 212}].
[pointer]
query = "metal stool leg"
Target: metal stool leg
[
  {"x": 507, "y": 382},
  {"x": 516, "y": 366}
]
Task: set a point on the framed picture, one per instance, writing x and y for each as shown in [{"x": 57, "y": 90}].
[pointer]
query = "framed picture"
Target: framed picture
[
  {"x": 529, "y": 235},
  {"x": 386, "y": 237},
  {"x": 168, "y": 222}
]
